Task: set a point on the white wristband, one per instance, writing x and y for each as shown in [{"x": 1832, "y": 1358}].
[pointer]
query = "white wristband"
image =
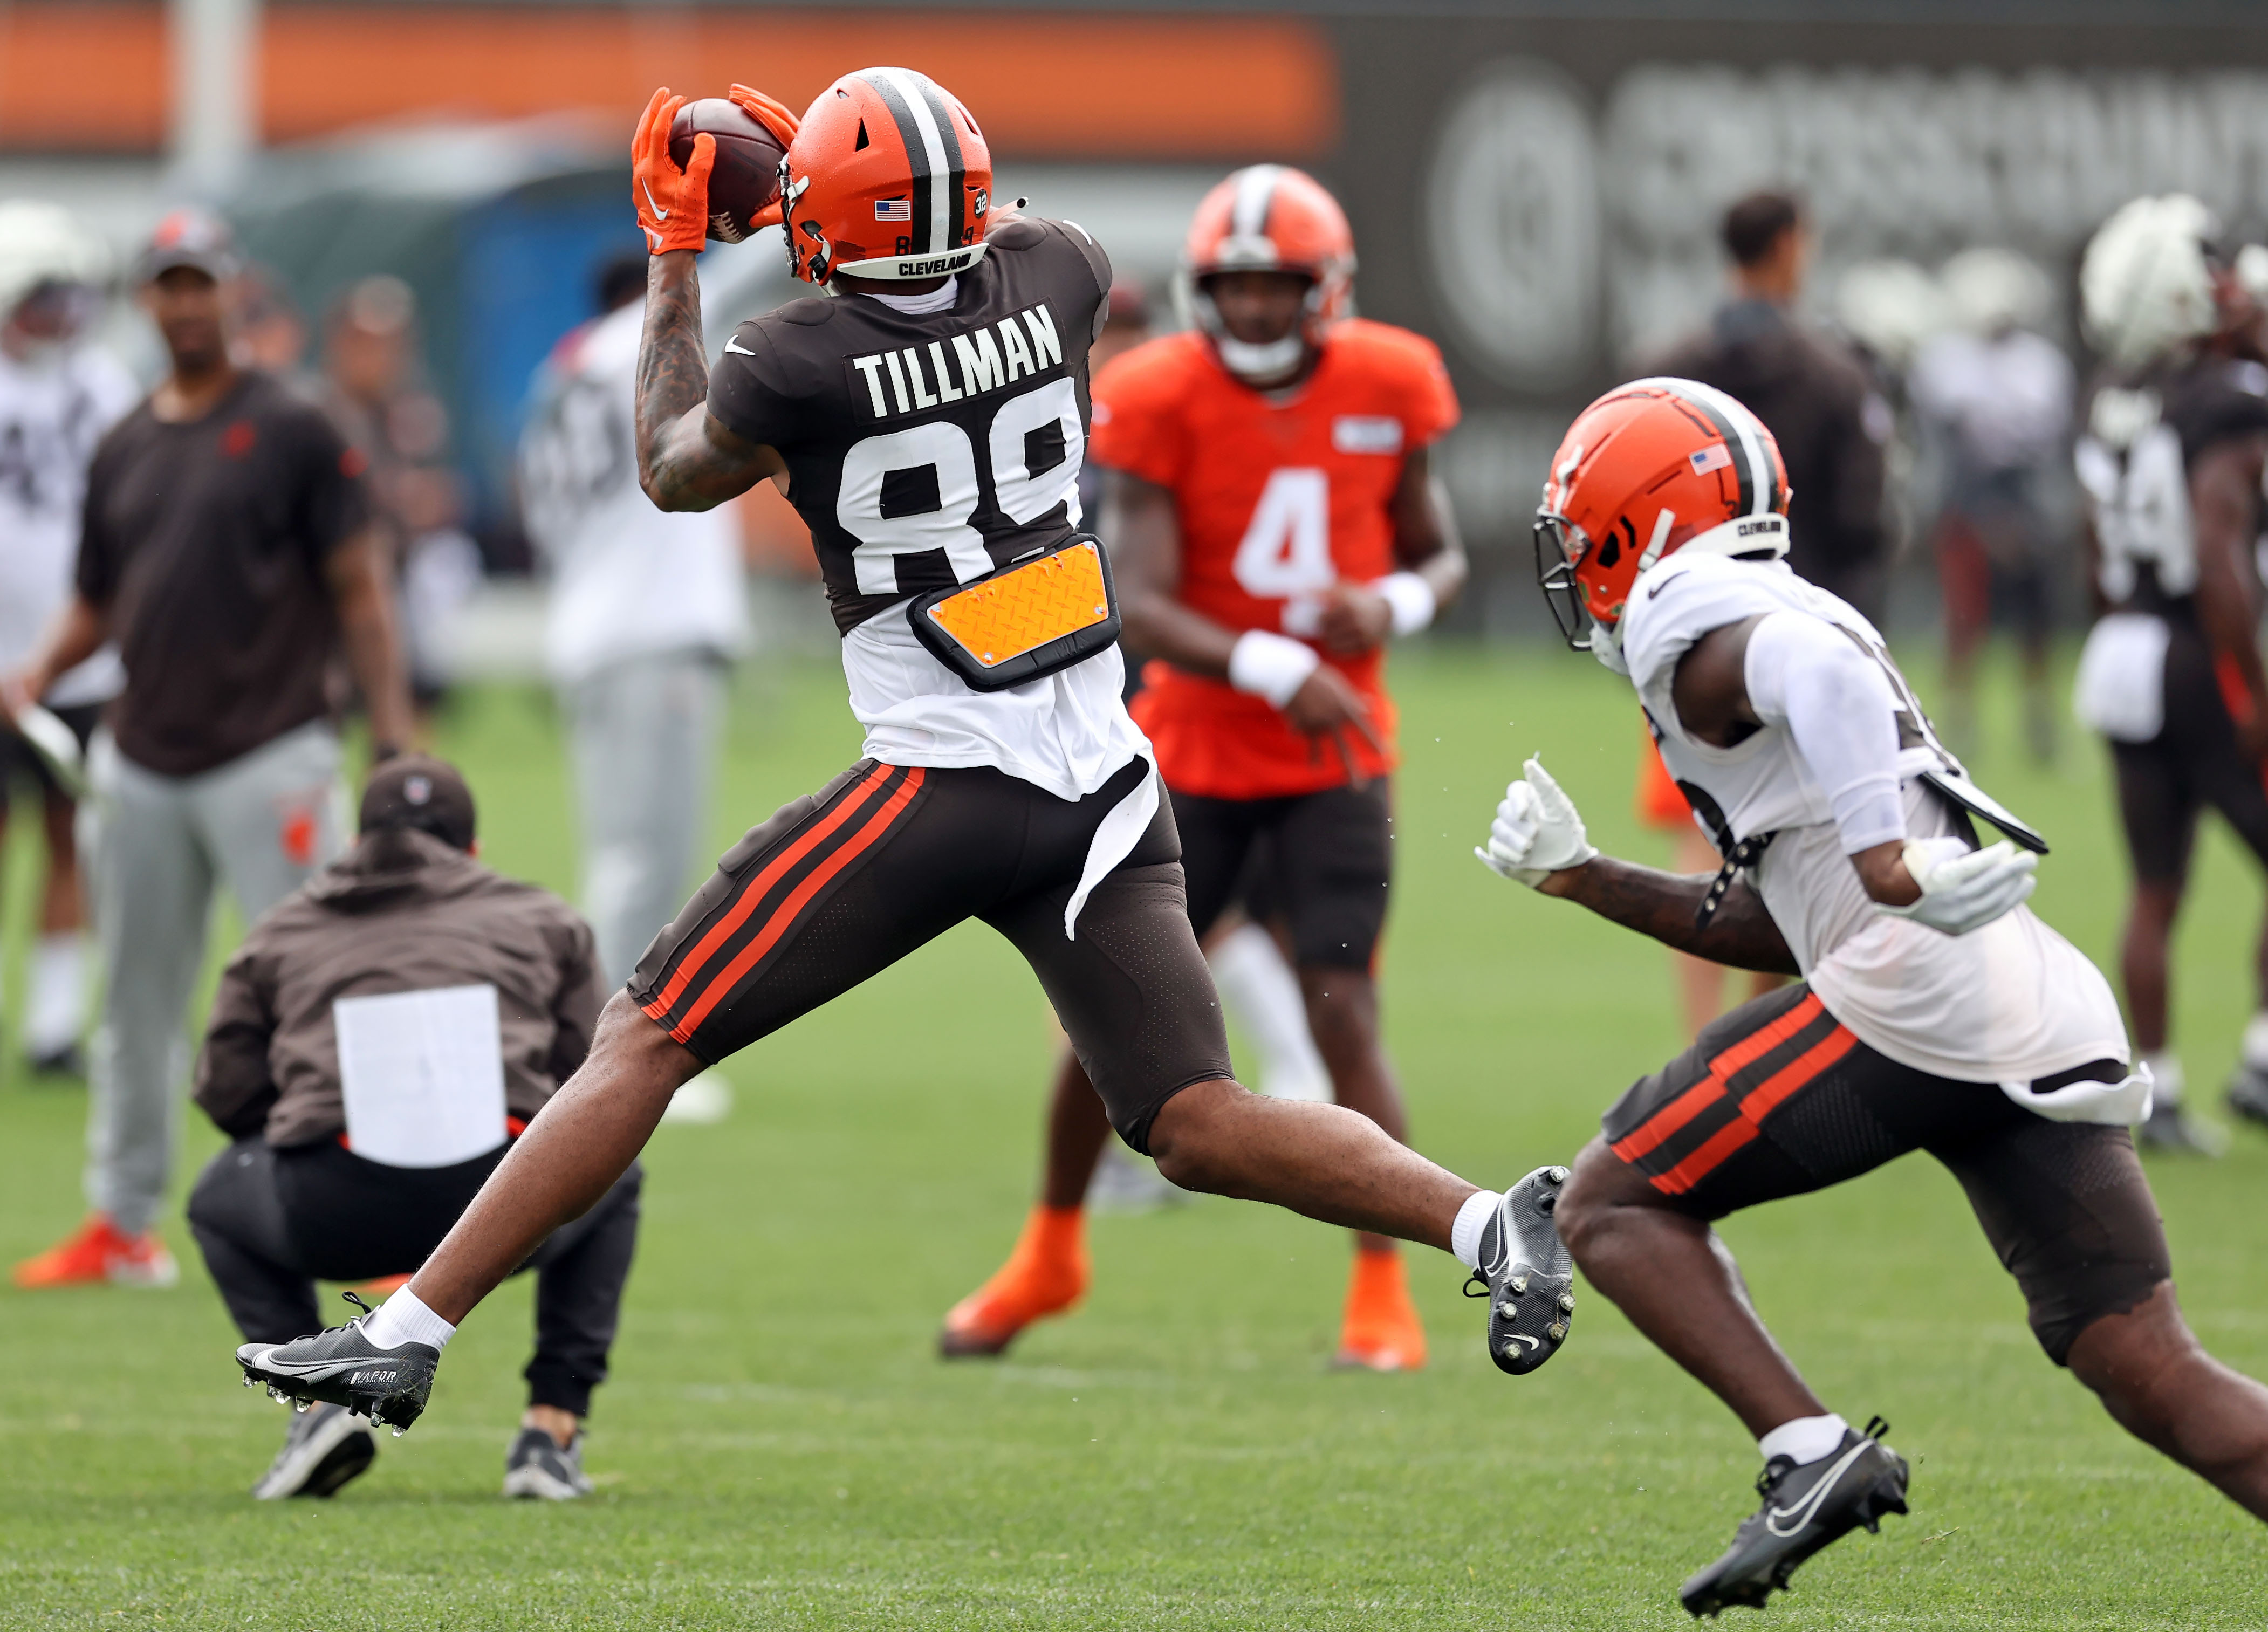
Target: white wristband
[
  {"x": 1410, "y": 597},
  {"x": 1271, "y": 665}
]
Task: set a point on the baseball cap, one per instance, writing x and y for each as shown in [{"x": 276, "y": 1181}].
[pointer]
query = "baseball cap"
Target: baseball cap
[
  {"x": 190, "y": 237},
  {"x": 418, "y": 790}
]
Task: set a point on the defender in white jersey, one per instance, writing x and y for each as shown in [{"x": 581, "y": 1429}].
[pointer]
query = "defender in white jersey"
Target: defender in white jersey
[
  {"x": 929, "y": 418},
  {"x": 58, "y": 394},
  {"x": 1935, "y": 1013}
]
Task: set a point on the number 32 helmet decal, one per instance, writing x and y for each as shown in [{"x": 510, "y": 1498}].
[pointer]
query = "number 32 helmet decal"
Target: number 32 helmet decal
[{"x": 887, "y": 178}]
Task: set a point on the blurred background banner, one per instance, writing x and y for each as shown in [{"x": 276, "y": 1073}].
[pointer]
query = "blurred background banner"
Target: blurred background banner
[{"x": 1537, "y": 187}]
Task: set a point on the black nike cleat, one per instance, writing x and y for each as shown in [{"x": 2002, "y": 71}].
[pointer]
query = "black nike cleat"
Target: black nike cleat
[
  {"x": 1807, "y": 1505},
  {"x": 1527, "y": 1275},
  {"x": 341, "y": 1367}
]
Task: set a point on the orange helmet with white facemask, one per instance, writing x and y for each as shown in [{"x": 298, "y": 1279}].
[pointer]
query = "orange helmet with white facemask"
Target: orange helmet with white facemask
[
  {"x": 887, "y": 178},
  {"x": 1270, "y": 218},
  {"x": 1652, "y": 468}
]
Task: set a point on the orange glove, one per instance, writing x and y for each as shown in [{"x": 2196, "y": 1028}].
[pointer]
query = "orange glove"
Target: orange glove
[
  {"x": 776, "y": 118},
  {"x": 673, "y": 204}
]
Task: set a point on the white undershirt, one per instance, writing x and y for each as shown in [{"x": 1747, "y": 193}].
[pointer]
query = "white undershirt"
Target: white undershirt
[{"x": 940, "y": 300}]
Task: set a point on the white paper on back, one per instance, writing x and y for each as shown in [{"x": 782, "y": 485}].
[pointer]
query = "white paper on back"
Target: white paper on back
[{"x": 423, "y": 1075}]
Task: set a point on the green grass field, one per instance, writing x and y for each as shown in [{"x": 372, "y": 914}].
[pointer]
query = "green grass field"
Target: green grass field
[{"x": 779, "y": 1447}]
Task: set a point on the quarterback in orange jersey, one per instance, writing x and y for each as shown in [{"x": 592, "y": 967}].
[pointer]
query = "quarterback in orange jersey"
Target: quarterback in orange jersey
[{"x": 1273, "y": 520}]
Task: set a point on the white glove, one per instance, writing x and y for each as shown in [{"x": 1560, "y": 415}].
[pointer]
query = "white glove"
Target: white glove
[
  {"x": 1537, "y": 830},
  {"x": 1963, "y": 889}
]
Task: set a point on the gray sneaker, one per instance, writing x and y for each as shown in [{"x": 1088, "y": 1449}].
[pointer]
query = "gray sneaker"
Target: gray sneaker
[
  {"x": 1125, "y": 1183},
  {"x": 2248, "y": 1093},
  {"x": 536, "y": 1467},
  {"x": 2170, "y": 1127},
  {"x": 325, "y": 1446}
]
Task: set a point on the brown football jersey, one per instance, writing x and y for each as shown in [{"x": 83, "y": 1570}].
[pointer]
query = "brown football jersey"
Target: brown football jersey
[{"x": 925, "y": 451}]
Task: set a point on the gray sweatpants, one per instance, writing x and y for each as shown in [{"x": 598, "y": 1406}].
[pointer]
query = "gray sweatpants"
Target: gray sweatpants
[
  {"x": 156, "y": 847},
  {"x": 644, "y": 739}
]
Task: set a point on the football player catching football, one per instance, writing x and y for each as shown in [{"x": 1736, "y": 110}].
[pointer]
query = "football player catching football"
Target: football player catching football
[
  {"x": 927, "y": 410},
  {"x": 1934, "y": 1012},
  {"x": 2170, "y": 460},
  {"x": 1274, "y": 519}
]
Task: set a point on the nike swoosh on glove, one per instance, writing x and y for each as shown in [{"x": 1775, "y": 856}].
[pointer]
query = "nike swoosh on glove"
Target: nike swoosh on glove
[
  {"x": 1537, "y": 830},
  {"x": 673, "y": 204},
  {"x": 1963, "y": 889}
]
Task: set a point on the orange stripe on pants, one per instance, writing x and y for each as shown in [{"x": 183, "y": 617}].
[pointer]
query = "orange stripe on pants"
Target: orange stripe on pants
[
  {"x": 1767, "y": 1097},
  {"x": 1649, "y": 1134},
  {"x": 682, "y": 976},
  {"x": 797, "y": 899}
]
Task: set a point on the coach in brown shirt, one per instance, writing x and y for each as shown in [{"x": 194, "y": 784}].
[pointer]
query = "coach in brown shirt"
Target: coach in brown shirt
[
  {"x": 225, "y": 546},
  {"x": 351, "y": 1157},
  {"x": 1811, "y": 393}
]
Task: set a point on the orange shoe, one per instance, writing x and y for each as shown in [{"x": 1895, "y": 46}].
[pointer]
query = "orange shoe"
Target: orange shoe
[
  {"x": 1380, "y": 1331},
  {"x": 384, "y": 1286},
  {"x": 100, "y": 1251},
  {"x": 1046, "y": 1275}
]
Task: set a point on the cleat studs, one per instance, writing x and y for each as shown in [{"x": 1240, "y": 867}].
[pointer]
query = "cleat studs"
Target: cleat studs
[
  {"x": 399, "y": 1430},
  {"x": 1510, "y": 1350},
  {"x": 1518, "y": 1284},
  {"x": 1558, "y": 1175},
  {"x": 1556, "y": 1331},
  {"x": 1546, "y": 1204},
  {"x": 1507, "y": 1311},
  {"x": 1567, "y": 1303}
]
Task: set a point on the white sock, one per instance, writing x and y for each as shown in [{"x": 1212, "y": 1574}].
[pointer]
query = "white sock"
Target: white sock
[
  {"x": 2166, "y": 1074},
  {"x": 1262, "y": 996},
  {"x": 2255, "y": 1042},
  {"x": 1472, "y": 1219},
  {"x": 404, "y": 1318},
  {"x": 55, "y": 1006},
  {"x": 1805, "y": 1439}
]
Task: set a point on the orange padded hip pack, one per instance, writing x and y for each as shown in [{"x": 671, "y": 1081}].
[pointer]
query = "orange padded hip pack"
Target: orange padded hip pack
[{"x": 1030, "y": 619}]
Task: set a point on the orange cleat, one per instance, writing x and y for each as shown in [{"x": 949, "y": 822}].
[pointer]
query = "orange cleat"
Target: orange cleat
[
  {"x": 1380, "y": 1331},
  {"x": 99, "y": 1252},
  {"x": 1046, "y": 1275}
]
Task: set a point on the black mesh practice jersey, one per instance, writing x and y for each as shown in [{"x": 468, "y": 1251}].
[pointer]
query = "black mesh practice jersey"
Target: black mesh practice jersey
[
  {"x": 2134, "y": 460},
  {"x": 927, "y": 451}
]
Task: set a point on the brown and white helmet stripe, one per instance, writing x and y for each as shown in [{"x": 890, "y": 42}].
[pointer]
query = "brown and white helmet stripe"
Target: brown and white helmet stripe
[{"x": 932, "y": 147}]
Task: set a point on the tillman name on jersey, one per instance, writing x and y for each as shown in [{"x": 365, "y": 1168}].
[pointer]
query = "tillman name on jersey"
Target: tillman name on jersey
[{"x": 916, "y": 378}]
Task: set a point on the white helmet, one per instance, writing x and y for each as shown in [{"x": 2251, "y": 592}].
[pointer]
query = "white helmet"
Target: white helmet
[
  {"x": 42, "y": 243},
  {"x": 2146, "y": 287},
  {"x": 1990, "y": 289}
]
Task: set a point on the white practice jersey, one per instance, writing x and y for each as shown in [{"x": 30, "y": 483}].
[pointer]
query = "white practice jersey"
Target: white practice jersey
[
  {"x": 627, "y": 580},
  {"x": 2010, "y": 1003},
  {"x": 52, "y": 412}
]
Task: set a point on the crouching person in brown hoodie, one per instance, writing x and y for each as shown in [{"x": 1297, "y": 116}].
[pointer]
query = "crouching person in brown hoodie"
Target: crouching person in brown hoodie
[{"x": 378, "y": 1040}]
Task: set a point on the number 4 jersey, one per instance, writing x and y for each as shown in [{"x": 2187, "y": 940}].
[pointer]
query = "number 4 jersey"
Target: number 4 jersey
[
  {"x": 924, "y": 450},
  {"x": 1278, "y": 496}
]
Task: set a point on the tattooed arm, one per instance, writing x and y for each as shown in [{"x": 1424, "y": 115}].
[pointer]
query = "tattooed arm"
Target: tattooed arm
[
  {"x": 687, "y": 459},
  {"x": 1662, "y": 905}
]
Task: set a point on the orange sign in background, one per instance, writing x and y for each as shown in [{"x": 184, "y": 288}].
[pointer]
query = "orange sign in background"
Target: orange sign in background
[{"x": 93, "y": 76}]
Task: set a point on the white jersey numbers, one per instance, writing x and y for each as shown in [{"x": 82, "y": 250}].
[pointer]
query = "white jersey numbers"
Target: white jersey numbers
[
  {"x": 913, "y": 492},
  {"x": 2139, "y": 495},
  {"x": 1286, "y": 548}
]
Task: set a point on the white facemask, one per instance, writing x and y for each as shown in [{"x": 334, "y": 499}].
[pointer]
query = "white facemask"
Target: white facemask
[{"x": 1260, "y": 364}]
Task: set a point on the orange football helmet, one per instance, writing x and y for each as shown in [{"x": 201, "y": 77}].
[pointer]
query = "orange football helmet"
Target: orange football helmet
[
  {"x": 887, "y": 178},
  {"x": 1269, "y": 218},
  {"x": 1652, "y": 468}
]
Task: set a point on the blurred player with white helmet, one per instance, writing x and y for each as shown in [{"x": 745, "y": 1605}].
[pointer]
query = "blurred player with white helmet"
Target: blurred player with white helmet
[
  {"x": 59, "y": 391},
  {"x": 1995, "y": 394},
  {"x": 1935, "y": 1011},
  {"x": 1274, "y": 521},
  {"x": 647, "y": 610},
  {"x": 2171, "y": 457},
  {"x": 931, "y": 414}
]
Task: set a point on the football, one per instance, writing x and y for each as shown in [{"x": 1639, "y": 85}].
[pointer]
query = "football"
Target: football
[{"x": 745, "y": 179}]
